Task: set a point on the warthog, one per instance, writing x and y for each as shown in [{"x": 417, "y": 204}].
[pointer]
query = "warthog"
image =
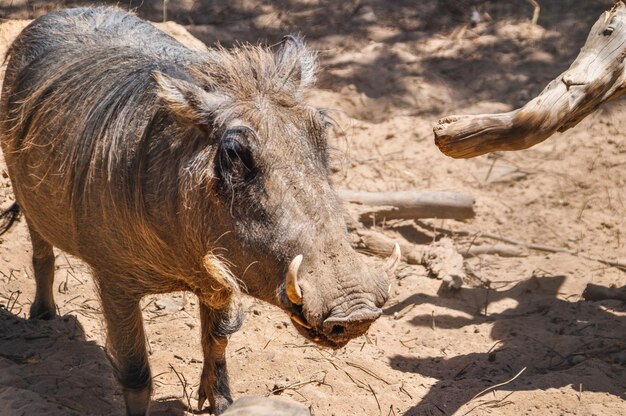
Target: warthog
[{"x": 169, "y": 169}]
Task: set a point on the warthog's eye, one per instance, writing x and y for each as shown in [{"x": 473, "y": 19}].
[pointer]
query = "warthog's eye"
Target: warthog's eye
[{"x": 235, "y": 164}]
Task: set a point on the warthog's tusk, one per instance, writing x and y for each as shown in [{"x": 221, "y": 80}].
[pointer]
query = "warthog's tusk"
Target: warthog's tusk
[
  {"x": 291, "y": 281},
  {"x": 300, "y": 321},
  {"x": 393, "y": 261}
]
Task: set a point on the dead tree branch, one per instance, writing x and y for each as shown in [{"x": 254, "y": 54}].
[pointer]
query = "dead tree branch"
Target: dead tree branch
[{"x": 595, "y": 77}]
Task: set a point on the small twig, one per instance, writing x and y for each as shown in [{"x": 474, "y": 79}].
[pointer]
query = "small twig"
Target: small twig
[
  {"x": 368, "y": 371},
  {"x": 587, "y": 354},
  {"x": 404, "y": 311},
  {"x": 487, "y": 300},
  {"x": 502, "y": 250},
  {"x": 360, "y": 384},
  {"x": 183, "y": 382},
  {"x": 492, "y": 403},
  {"x": 269, "y": 340},
  {"x": 165, "y": 2},
  {"x": 536, "y": 11},
  {"x": 408, "y": 340},
  {"x": 403, "y": 390},
  {"x": 494, "y": 345},
  {"x": 380, "y": 411},
  {"x": 619, "y": 263},
  {"x": 295, "y": 386},
  {"x": 68, "y": 261},
  {"x": 63, "y": 285},
  {"x": 488, "y": 389},
  {"x": 10, "y": 306}
]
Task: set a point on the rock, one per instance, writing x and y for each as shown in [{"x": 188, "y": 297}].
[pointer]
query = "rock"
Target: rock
[{"x": 266, "y": 406}]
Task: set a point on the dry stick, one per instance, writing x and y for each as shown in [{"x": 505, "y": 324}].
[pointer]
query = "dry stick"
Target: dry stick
[
  {"x": 380, "y": 245},
  {"x": 357, "y": 382},
  {"x": 368, "y": 371},
  {"x": 536, "y": 10},
  {"x": 10, "y": 306},
  {"x": 588, "y": 355},
  {"x": 165, "y": 2},
  {"x": 183, "y": 382},
  {"x": 619, "y": 263},
  {"x": 488, "y": 389},
  {"x": 595, "y": 77},
  {"x": 491, "y": 403},
  {"x": 502, "y": 250},
  {"x": 411, "y": 204},
  {"x": 402, "y": 389},
  {"x": 380, "y": 411},
  {"x": 294, "y": 386},
  {"x": 404, "y": 311}
]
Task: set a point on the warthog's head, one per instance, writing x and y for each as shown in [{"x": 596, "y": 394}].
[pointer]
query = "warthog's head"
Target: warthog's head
[{"x": 266, "y": 193}]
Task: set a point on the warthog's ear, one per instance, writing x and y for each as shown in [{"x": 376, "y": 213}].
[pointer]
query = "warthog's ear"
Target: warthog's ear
[
  {"x": 297, "y": 62},
  {"x": 187, "y": 101}
]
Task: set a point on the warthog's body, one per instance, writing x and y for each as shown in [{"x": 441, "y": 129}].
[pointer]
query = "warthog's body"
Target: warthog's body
[{"x": 168, "y": 169}]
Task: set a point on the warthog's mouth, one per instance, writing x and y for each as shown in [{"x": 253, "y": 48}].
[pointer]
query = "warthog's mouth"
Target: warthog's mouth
[
  {"x": 309, "y": 332},
  {"x": 290, "y": 299}
]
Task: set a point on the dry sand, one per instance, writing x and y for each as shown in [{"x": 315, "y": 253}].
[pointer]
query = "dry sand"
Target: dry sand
[{"x": 388, "y": 73}]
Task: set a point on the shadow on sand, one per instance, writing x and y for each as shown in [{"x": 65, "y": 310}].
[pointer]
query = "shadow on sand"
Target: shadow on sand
[
  {"x": 50, "y": 368},
  {"x": 581, "y": 342}
]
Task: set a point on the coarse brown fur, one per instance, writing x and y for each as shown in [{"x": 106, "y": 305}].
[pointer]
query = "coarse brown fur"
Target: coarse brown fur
[{"x": 169, "y": 169}]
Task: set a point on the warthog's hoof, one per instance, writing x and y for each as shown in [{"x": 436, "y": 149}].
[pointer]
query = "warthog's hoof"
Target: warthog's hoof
[
  {"x": 137, "y": 401},
  {"x": 218, "y": 402},
  {"x": 42, "y": 311}
]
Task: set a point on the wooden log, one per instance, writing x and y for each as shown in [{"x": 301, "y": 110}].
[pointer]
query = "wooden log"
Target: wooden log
[
  {"x": 595, "y": 77},
  {"x": 412, "y": 204},
  {"x": 596, "y": 292}
]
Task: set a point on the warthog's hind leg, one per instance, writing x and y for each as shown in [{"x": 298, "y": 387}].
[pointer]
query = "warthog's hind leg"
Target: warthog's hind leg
[
  {"x": 216, "y": 325},
  {"x": 43, "y": 306},
  {"x": 126, "y": 345}
]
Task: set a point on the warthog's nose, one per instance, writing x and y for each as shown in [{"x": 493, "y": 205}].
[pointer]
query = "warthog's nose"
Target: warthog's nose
[{"x": 351, "y": 326}]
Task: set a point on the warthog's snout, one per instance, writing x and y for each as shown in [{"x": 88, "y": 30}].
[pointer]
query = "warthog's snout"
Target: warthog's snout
[
  {"x": 341, "y": 329},
  {"x": 332, "y": 310}
]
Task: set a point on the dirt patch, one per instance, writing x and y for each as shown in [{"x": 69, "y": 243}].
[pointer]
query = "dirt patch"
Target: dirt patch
[{"x": 388, "y": 73}]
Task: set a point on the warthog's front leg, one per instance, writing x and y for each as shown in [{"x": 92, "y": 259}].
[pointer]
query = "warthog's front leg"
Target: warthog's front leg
[
  {"x": 216, "y": 325},
  {"x": 43, "y": 306},
  {"x": 126, "y": 345}
]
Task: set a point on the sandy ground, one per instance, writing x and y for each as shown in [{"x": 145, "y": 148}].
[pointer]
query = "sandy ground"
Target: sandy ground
[{"x": 388, "y": 73}]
